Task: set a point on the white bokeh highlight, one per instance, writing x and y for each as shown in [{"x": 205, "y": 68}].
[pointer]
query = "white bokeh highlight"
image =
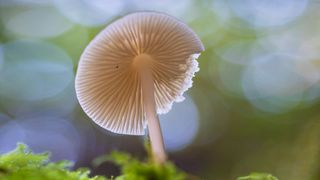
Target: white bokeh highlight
[
  {"x": 268, "y": 13},
  {"x": 238, "y": 52},
  {"x": 10, "y": 134},
  {"x": 272, "y": 84},
  {"x": 1, "y": 57},
  {"x": 3, "y": 118},
  {"x": 90, "y": 12},
  {"x": 177, "y": 8},
  {"x": 42, "y": 134},
  {"x": 9, "y": 3},
  {"x": 34, "y": 70},
  {"x": 59, "y": 105},
  {"x": 301, "y": 42},
  {"x": 180, "y": 125},
  {"x": 38, "y": 23}
]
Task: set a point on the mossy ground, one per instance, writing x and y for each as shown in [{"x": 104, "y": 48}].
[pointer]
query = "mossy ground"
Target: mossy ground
[{"x": 22, "y": 163}]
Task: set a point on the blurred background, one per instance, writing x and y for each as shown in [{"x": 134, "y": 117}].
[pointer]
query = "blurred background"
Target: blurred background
[{"x": 254, "y": 105}]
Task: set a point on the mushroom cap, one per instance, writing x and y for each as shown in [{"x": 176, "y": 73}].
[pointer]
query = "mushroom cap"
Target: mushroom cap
[{"x": 109, "y": 87}]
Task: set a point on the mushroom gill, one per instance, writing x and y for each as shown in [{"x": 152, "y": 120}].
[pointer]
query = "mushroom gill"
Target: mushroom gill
[{"x": 108, "y": 84}]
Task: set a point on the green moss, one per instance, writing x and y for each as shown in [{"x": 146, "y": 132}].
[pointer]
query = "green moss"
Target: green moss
[
  {"x": 21, "y": 163},
  {"x": 133, "y": 169},
  {"x": 258, "y": 176}
]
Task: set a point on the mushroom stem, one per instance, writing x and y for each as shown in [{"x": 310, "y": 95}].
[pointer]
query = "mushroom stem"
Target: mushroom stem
[{"x": 155, "y": 134}]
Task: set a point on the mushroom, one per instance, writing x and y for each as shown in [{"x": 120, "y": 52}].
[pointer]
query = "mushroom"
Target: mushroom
[{"x": 134, "y": 70}]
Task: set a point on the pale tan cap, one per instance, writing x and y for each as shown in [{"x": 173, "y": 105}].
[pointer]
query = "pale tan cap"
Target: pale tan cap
[{"x": 107, "y": 83}]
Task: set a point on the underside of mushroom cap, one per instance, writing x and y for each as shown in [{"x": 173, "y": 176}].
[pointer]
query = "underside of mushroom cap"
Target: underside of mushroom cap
[{"x": 108, "y": 85}]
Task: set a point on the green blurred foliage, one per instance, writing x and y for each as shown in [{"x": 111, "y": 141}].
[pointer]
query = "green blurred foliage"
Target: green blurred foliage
[
  {"x": 133, "y": 169},
  {"x": 258, "y": 176},
  {"x": 21, "y": 163}
]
